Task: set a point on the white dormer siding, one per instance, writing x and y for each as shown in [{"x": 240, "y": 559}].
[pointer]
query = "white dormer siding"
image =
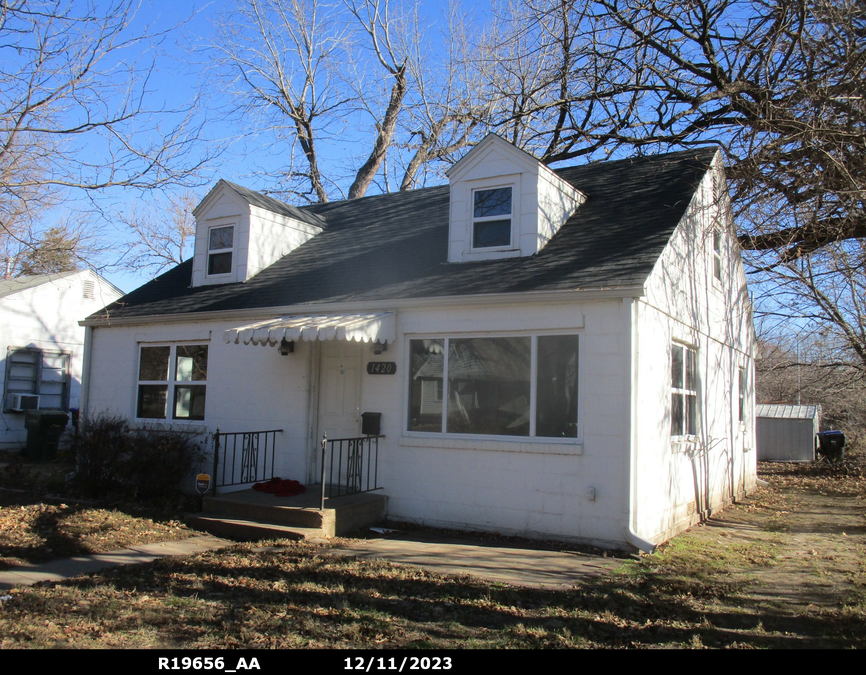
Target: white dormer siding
[
  {"x": 236, "y": 240},
  {"x": 505, "y": 203}
]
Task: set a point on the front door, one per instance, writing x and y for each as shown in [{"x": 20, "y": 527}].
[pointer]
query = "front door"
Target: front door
[{"x": 339, "y": 406}]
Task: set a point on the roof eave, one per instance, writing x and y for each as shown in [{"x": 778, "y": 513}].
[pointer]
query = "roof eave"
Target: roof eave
[{"x": 566, "y": 295}]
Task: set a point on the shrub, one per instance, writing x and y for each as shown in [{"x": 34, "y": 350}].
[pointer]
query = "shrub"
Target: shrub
[{"x": 114, "y": 460}]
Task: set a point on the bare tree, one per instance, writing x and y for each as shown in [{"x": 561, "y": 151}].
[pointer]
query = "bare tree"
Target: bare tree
[
  {"x": 778, "y": 84},
  {"x": 75, "y": 111},
  {"x": 806, "y": 371},
  {"x": 359, "y": 72},
  {"x": 280, "y": 60},
  {"x": 162, "y": 233}
]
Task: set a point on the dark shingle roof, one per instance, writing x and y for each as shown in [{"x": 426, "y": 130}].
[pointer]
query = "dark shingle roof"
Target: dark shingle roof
[
  {"x": 275, "y": 205},
  {"x": 395, "y": 246}
]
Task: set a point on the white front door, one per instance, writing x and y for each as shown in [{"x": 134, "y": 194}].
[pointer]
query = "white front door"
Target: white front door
[{"x": 339, "y": 405}]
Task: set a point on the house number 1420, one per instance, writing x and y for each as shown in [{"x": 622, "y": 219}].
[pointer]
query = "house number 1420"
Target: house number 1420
[{"x": 381, "y": 368}]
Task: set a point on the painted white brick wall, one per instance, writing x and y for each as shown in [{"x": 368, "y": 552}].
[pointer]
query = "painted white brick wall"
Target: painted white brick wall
[
  {"x": 684, "y": 302},
  {"x": 534, "y": 488}
]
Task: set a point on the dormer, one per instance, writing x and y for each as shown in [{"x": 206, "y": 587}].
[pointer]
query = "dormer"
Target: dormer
[
  {"x": 505, "y": 203},
  {"x": 238, "y": 233}
]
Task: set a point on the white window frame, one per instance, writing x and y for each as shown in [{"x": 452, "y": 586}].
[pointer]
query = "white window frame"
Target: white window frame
[
  {"x": 742, "y": 395},
  {"x": 687, "y": 394},
  {"x": 219, "y": 251},
  {"x": 718, "y": 269},
  {"x": 38, "y": 381},
  {"x": 533, "y": 384},
  {"x": 171, "y": 383},
  {"x": 482, "y": 219}
]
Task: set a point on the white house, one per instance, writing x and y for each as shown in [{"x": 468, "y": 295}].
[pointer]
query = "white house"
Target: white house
[
  {"x": 42, "y": 345},
  {"x": 553, "y": 353}
]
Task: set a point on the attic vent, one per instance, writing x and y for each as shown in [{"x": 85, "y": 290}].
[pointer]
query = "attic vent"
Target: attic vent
[{"x": 88, "y": 288}]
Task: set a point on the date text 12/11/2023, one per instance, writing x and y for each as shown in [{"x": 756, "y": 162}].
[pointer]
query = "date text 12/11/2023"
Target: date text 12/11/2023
[{"x": 391, "y": 663}]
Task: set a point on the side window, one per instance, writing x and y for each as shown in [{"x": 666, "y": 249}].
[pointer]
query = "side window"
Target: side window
[
  {"x": 491, "y": 218},
  {"x": 175, "y": 374},
  {"x": 219, "y": 250},
  {"x": 684, "y": 391},
  {"x": 741, "y": 396},
  {"x": 717, "y": 254},
  {"x": 33, "y": 371}
]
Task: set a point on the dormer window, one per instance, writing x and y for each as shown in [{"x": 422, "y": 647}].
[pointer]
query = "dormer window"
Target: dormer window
[
  {"x": 220, "y": 246},
  {"x": 491, "y": 218}
]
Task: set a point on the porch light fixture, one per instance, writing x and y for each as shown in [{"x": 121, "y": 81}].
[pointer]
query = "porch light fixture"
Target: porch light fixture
[
  {"x": 286, "y": 347},
  {"x": 379, "y": 347}
]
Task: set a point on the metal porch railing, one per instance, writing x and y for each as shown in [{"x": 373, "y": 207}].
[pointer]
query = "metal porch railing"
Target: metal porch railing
[
  {"x": 349, "y": 466},
  {"x": 243, "y": 457}
]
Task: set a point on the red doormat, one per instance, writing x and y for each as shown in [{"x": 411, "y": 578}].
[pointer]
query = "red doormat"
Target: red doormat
[{"x": 280, "y": 488}]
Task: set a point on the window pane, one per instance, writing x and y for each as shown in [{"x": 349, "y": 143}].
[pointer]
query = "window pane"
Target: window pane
[
  {"x": 191, "y": 363},
  {"x": 491, "y": 233},
  {"x": 221, "y": 238},
  {"x": 742, "y": 393},
  {"x": 496, "y": 202},
  {"x": 677, "y": 367},
  {"x": 488, "y": 386},
  {"x": 154, "y": 363},
  {"x": 219, "y": 263},
  {"x": 556, "y": 408},
  {"x": 189, "y": 402},
  {"x": 151, "y": 400},
  {"x": 691, "y": 370},
  {"x": 692, "y": 414},
  {"x": 677, "y": 405},
  {"x": 425, "y": 385}
]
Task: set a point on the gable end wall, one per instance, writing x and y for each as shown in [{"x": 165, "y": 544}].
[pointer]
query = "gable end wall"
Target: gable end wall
[{"x": 679, "y": 482}]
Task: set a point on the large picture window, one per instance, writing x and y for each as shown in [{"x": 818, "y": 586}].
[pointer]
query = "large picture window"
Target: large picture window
[
  {"x": 502, "y": 386},
  {"x": 684, "y": 391},
  {"x": 175, "y": 374}
]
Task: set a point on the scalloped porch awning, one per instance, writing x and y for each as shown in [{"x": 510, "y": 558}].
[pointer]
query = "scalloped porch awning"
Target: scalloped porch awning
[{"x": 365, "y": 327}]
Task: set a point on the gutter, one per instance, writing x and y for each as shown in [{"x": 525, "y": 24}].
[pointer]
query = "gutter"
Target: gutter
[
  {"x": 630, "y": 310},
  {"x": 567, "y": 295}
]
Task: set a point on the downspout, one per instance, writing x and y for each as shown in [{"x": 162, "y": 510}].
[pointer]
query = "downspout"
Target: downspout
[
  {"x": 84, "y": 396},
  {"x": 630, "y": 310}
]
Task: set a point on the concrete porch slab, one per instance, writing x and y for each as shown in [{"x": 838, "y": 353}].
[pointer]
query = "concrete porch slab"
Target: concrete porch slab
[{"x": 553, "y": 570}]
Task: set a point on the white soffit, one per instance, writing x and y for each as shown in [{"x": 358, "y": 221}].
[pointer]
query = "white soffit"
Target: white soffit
[{"x": 366, "y": 327}]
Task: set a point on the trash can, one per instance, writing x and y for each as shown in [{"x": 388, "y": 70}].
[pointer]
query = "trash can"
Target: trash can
[
  {"x": 44, "y": 428},
  {"x": 831, "y": 444}
]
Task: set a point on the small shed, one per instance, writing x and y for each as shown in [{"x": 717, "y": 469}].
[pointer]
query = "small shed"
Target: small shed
[{"x": 786, "y": 433}]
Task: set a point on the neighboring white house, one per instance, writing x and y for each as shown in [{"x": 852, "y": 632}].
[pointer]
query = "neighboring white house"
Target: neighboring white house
[
  {"x": 554, "y": 353},
  {"x": 42, "y": 345}
]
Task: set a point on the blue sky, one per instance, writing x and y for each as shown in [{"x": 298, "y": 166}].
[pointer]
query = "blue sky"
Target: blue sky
[{"x": 180, "y": 63}]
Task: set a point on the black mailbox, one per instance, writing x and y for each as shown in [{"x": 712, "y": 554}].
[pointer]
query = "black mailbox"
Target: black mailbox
[{"x": 371, "y": 423}]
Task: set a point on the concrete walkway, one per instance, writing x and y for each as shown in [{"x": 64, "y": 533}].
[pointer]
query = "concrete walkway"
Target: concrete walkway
[
  {"x": 65, "y": 568},
  {"x": 553, "y": 570}
]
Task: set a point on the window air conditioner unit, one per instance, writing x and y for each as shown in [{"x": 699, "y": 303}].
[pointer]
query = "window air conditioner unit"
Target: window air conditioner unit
[{"x": 22, "y": 402}]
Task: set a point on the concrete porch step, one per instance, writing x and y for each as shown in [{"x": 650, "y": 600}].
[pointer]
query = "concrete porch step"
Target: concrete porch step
[
  {"x": 239, "y": 529},
  {"x": 251, "y": 509}
]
